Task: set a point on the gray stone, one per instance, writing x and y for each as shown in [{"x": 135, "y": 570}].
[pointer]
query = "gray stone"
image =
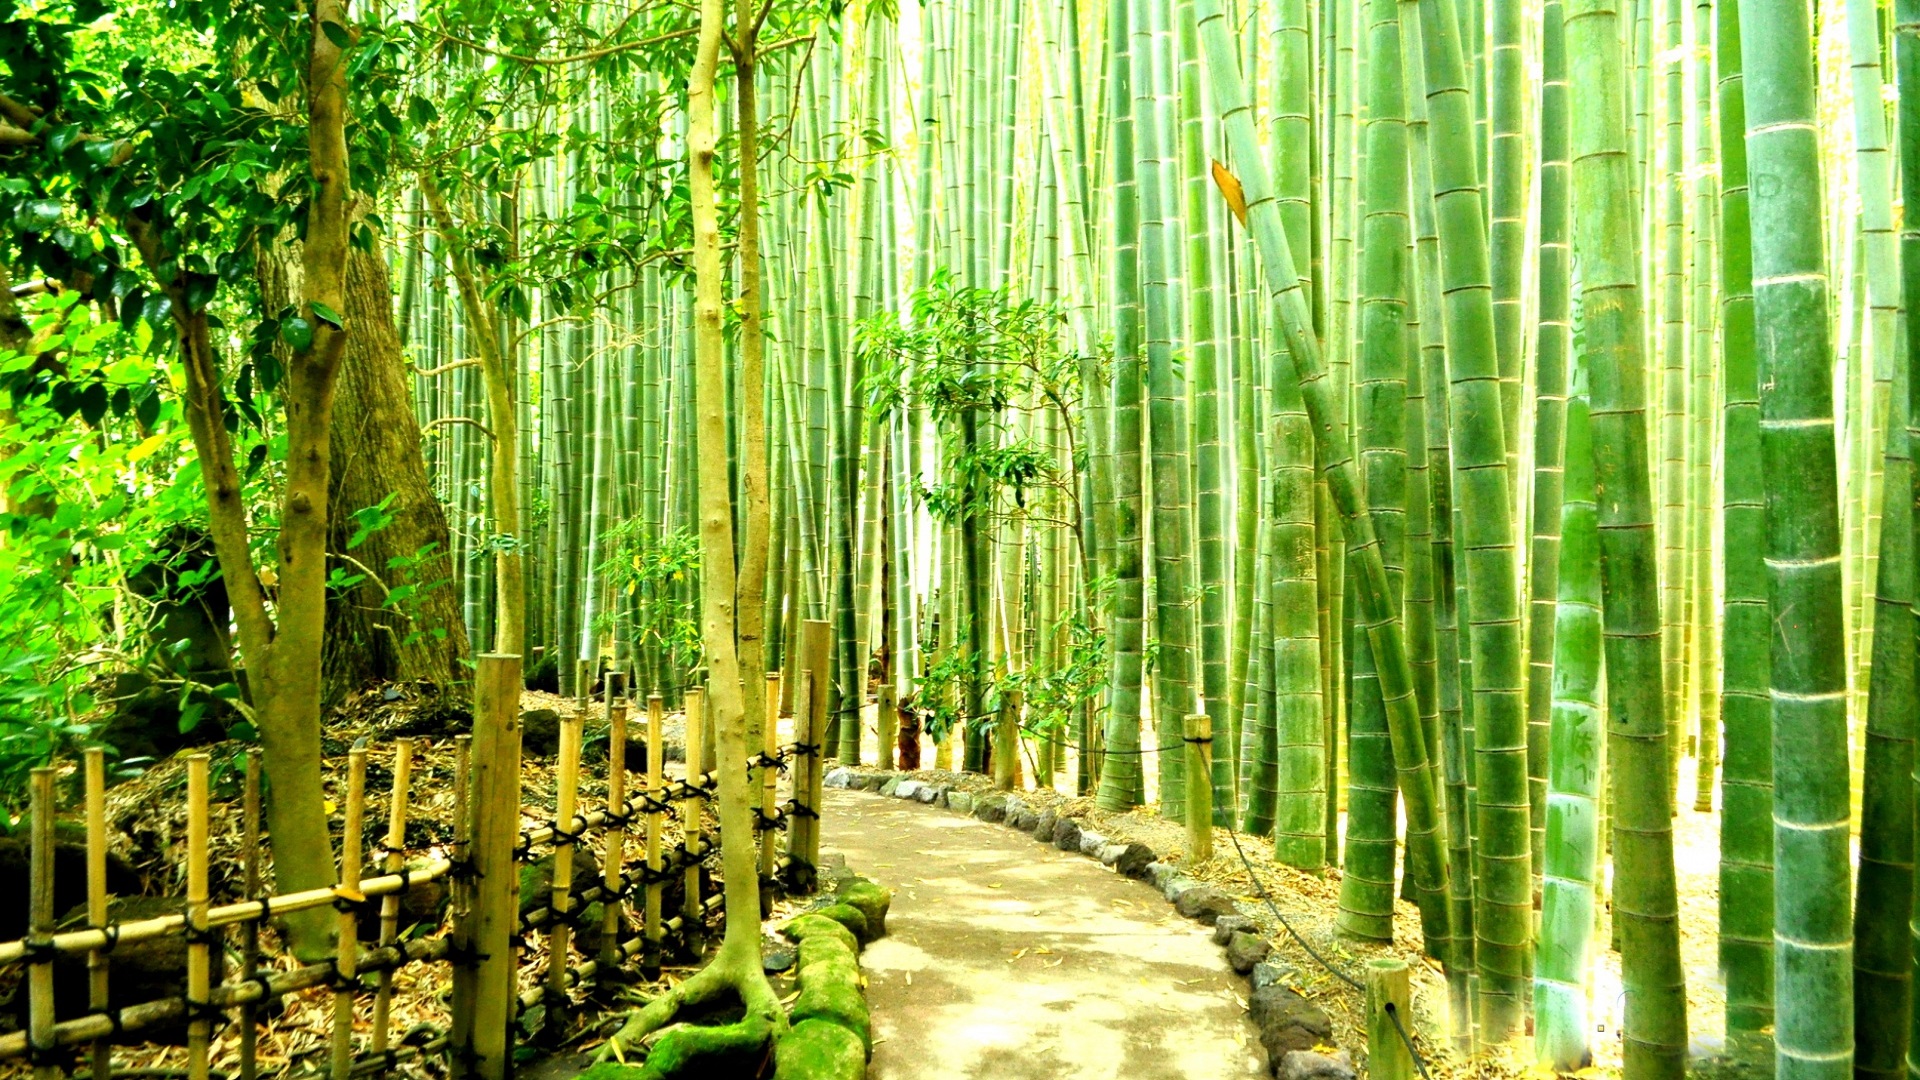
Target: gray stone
[
  {"x": 1246, "y": 950},
  {"x": 1066, "y": 834},
  {"x": 1108, "y": 853},
  {"x": 839, "y": 778},
  {"x": 1043, "y": 825},
  {"x": 991, "y": 808},
  {"x": 1091, "y": 842},
  {"x": 1287, "y": 1022},
  {"x": 776, "y": 959},
  {"x": 1178, "y": 886},
  {"x": 1205, "y": 903},
  {"x": 1159, "y": 873},
  {"x": 891, "y": 786},
  {"x": 832, "y": 860},
  {"x": 1133, "y": 861},
  {"x": 1021, "y": 820},
  {"x": 908, "y": 789},
  {"x": 1307, "y": 1065},
  {"x": 1226, "y": 926},
  {"x": 1017, "y": 805},
  {"x": 926, "y": 793},
  {"x": 1270, "y": 972},
  {"x": 961, "y": 801}
]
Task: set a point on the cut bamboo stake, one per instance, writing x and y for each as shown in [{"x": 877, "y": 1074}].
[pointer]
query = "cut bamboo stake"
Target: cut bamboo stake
[
  {"x": 650, "y": 956},
  {"x": 460, "y": 905},
  {"x": 249, "y": 930},
  {"x": 769, "y": 785},
  {"x": 1388, "y": 998},
  {"x": 40, "y": 927},
  {"x": 691, "y": 811},
  {"x": 816, "y": 762},
  {"x": 495, "y": 798},
  {"x": 348, "y": 929},
  {"x": 611, "y": 869},
  {"x": 807, "y": 751},
  {"x": 1199, "y": 742},
  {"x": 390, "y": 904},
  {"x": 199, "y": 950},
  {"x": 97, "y": 910},
  {"x": 559, "y": 935}
]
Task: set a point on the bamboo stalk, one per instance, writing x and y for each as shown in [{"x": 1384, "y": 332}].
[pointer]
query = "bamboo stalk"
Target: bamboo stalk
[
  {"x": 249, "y": 930},
  {"x": 613, "y": 868},
  {"x": 1198, "y": 736},
  {"x": 650, "y": 957},
  {"x": 495, "y": 800},
  {"x": 460, "y": 897},
  {"x": 769, "y": 776},
  {"x": 199, "y": 952},
  {"x": 694, "y": 806},
  {"x": 98, "y": 914},
  {"x": 390, "y": 905},
  {"x": 348, "y": 927},
  {"x": 40, "y": 1020},
  {"x": 566, "y": 791}
]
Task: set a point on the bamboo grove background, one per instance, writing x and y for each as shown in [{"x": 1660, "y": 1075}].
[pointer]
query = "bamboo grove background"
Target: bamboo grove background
[{"x": 1493, "y": 416}]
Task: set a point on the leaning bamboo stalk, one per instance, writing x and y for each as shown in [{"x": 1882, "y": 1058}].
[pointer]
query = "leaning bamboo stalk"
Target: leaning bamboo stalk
[
  {"x": 348, "y": 929},
  {"x": 390, "y": 904},
  {"x": 199, "y": 952},
  {"x": 40, "y": 1020},
  {"x": 769, "y": 775},
  {"x": 565, "y": 795},
  {"x": 250, "y": 930},
  {"x": 612, "y": 867},
  {"x": 97, "y": 910},
  {"x": 694, "y": 805},
  {"x": 650, "y": 957}
]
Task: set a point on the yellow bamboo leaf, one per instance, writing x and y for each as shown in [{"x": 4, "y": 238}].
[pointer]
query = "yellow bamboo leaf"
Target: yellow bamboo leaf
[{"x": 1229, "y": 186}]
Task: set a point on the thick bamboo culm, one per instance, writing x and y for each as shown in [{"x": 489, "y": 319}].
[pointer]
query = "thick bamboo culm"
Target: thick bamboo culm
[
  {"x": 395, "y": 858},
  {"x": 348, "y": 930},
  {"x": 691, "y": 808},
  {"x": 769, "y": 778},
  {"x": 40, "y": 924},
  {"x": 650, "y": 929},
  {"x": 567, "y": 785},
  {"x": 97, "y": 904},
  {"x": 495, "y": 802},
  {"x": 610, "y": 866},
  {"x": 249, "y": 930}
]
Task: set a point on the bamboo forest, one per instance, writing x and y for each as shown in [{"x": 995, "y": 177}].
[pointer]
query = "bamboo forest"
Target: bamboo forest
[{"x": 542, "y": 539}]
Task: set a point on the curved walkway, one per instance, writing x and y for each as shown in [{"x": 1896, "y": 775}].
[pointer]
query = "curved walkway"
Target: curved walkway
[{"x": 1007, "y": 959}]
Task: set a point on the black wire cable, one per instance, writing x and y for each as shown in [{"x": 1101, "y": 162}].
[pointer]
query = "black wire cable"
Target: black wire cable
[{"x": 1393, "y": 1014}]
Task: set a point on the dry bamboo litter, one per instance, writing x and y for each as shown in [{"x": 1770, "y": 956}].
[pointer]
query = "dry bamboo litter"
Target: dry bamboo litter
[{"x": 486, "y": 815}]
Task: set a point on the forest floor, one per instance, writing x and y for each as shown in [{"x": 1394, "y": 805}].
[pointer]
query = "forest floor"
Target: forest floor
[{"x": 1013, "y": 960}]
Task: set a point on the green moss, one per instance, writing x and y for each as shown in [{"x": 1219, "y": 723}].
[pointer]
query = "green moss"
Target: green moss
[
  {"x": 813, "y": 923},
  {"x": 690, "y": 1050},
  {"x": 611, "y": 1070},
  {"x": 819, "y": 1050},
  {"x": 872, "y": 900},
  {"x": 848, "y": 916},
  {"x": 821, "y": 947},
  {"x": 830, "y": 990}
]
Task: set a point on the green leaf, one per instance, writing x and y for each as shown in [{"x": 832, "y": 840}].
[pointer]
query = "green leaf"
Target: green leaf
[
  {"x": 337, "y": 34},
  {"x": 327, "y": 315},
  {"x": 297, "y": 333}
]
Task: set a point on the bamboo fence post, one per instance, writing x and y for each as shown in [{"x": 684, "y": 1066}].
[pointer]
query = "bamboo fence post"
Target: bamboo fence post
[
  {"x": 394, "y": 860},
  {"x": 798, "y": 868},
  {"x": 460, "y": 911},
  {"x": 199, "y": 948},
  {"x": 40, "y": 1036},
  {"x": 814, "y": 772},
  {"x": 691, "y": 811},
  {"x": 612, "y": 867},
  {"x": 559, "y": 932},
  {"x": 97, "y": 909},
  {"x": 1388, "y": 1001},
  {"x": 347, "y": 894},
  {"x": 650, "y": 954},
  {"x": 1199, "y": 742},
  {"x": 495, "y": 799},
  {"x": 249, "y": 930},
  {"x": 888, "y": 720},
  {"x": 769, "y": 776}
]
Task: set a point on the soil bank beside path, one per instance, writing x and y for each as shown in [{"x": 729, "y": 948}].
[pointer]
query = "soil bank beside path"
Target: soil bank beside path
[{"x": 1008, "y": 959}]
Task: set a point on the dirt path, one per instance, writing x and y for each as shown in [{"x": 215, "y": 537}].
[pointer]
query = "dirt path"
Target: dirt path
[{"x": 1006, "y": 958}]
